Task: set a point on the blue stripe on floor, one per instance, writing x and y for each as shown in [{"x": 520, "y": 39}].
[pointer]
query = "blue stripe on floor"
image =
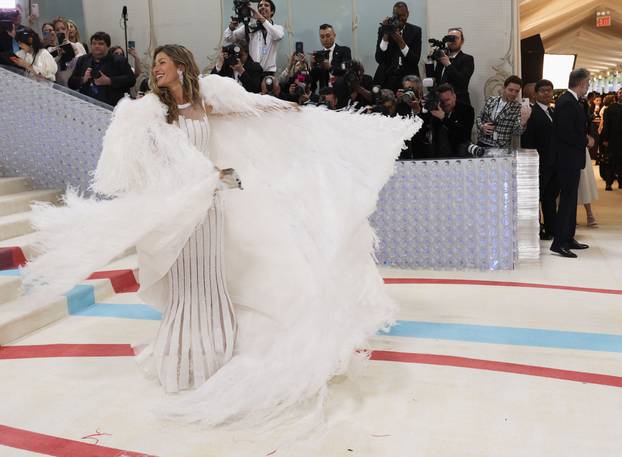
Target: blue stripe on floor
[
  {"x": 508, "y": 335},
  {"x": 144, "y": 312},
  {"x": 10, "y": 272}
]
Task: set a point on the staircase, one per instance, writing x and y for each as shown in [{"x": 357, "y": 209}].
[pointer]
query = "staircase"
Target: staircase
[{"x": 20, "y": 316}]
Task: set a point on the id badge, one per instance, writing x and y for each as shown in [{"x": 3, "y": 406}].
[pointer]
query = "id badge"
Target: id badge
[
  {"x": 495, "y": 135},
  {"x": 264, "y": 50}
]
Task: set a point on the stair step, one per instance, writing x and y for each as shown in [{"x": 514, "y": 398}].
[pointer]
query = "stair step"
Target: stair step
[
  {"x": 15, "y": 225},
  {"x": 20, "y": 202},
  {"x": 25, "y": 242},
  {"x": 9, "y": 289},
  {"x": 23, "y": 315},
  {"x": 14, "y": 185}
]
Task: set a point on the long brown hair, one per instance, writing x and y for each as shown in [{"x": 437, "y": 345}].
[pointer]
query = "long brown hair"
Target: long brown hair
[{"x": 181, "y": 56}]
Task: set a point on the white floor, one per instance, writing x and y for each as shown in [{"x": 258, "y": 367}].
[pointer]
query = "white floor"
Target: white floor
[{"x": 393, "y": 409}]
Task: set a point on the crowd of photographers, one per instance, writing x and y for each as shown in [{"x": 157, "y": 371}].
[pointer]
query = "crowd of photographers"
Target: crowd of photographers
[{"x": 328, "y": 76}]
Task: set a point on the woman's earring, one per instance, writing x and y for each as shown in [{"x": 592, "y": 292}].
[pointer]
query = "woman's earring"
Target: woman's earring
[{"x": 181, "y": 76}]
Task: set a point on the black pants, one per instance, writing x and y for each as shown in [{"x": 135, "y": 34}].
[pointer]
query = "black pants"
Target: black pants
[
  {"x": 549, "y": 190},
  {"x": 566, "y": 221}
]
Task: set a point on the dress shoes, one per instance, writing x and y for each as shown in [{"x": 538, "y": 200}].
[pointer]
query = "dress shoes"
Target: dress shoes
[
  {"x": 564, "y": 252},
  {"x": 574, "y": 244},
  {"x": 544, "y": 236}
]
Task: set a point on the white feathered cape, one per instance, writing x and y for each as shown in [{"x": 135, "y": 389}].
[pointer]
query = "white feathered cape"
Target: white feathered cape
[{"x": 299, "y": 247}]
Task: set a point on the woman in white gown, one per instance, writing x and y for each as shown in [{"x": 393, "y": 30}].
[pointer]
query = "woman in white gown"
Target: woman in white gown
[{"x": 302, "y": 293}]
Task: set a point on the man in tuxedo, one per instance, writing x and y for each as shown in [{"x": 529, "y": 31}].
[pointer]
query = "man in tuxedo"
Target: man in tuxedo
[
  {"x": 397, "y": 52},
  {"x": 451, "y": 123},
  {"x": 455, "y": 69},
  {"x": 538, "y": 136},
  {"x": 568, "y": 142},
  {"x": 323, "y": 70},
  {"x": 611, "y": 137}
]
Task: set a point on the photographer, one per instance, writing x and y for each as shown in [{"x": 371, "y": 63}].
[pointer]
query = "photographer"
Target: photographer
[
  {"x": 398, "y": 49},
  {"x": 262, "y": 39},
  {"x": 64, "y": 51},
  {"x": 451, "y": 65},
  {"x": 239, "y": 66},
  {"x": 354, "y": 88},
  {"x": 101, "y": 75},
  {"x": 451, "y": 122},
  {"x": 409, "y": 96},
  {"x": 327, "y": 63},
  {"x": 270, "y": 86}
]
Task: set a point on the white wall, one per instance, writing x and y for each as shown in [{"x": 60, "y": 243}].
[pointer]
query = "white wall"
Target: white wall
[{"x": 196, "y": 24}]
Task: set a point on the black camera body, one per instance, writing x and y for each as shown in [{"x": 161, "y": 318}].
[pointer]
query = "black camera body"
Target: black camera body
[
  {"x": 432, "y": 100},
  {"x": 440, "y": 48},
  {"x": 408, "y": 96},
  {"x": 321, "y": 56},
  {"x": 242, "y": 9},
  {"x": 233, "y": 54},
  {"x": 393, "y": 25}
]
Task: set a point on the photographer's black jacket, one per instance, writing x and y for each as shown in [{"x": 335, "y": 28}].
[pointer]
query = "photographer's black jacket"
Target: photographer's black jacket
[
  {"x": 250, "y": 79},
  {"x": 390, "y": 73},
  {"x": 320, "y": 78},
  {"x": 117, "y": 68},
  {"x": 458, "y": 74}
]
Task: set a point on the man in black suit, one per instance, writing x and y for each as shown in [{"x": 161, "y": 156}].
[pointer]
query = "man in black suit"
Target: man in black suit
[
  {"x": 611, "y": 137},
  {"x": 451, "y": 123},
  {"x": 568, "y": 142},
  {"x": 455, "y": 69},
  {"x": 329, "y": 63},
  {"x": 538, "y": 136},
  {"x": 244, "y": 70},
  {"x": 101, "y": 75},
  {"x": 397, "y": 52}
]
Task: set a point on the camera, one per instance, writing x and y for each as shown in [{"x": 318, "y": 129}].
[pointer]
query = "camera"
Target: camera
[
  {"x": 432, "y": 101},
  {"x": 243, "y": 12},
  {"x": 408, "y": 96},
  {"x": 321, "y": 56},
  {"x": 95, "y": 73},
  {"x": 353, "y": 72},
  {"x": 440, "y": 48},
  {"x": 269, "y": 80},
  {"x": 471, "y": 150},
  {"x": 233, "y": 54},
  {"x": 61, "y": 38},
  {"x": 392, "y": 26}
]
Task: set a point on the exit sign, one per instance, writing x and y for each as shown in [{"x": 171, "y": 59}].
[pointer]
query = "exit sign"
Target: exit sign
[{"x": 603, "y": 21}]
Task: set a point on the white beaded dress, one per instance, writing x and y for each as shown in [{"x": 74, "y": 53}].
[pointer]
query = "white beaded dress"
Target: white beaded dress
[{"x": 197, "y": 333}]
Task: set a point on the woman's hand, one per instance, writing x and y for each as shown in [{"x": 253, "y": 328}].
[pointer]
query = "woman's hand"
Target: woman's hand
[{"x": 21, "y": 63}]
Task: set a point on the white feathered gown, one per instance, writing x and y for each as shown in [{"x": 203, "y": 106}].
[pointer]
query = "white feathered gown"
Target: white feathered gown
[{"x": 299, "y": 247}]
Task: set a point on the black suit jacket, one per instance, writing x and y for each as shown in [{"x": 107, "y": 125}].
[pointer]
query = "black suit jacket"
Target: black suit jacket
[
  {"x": 320, "y": 77},
  {"x": 250, "y": 79},
  {"x": 612, "y": 129},
  {"x": 569, "y": 138},
  {"x": 458, "y": 74},
  {"x": 390, "y": 73},
  {"x": 453, "y": 131},
  {"x": 117, "y": 68},
  {"x": 538, "y": 134}
]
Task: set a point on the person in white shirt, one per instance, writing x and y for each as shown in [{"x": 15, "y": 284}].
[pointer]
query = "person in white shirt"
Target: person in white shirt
[
  {"x": 263, "y": 39},
  {"x": 32, "y": 56}
]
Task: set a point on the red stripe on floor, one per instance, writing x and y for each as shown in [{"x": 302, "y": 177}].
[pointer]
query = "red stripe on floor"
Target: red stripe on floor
[
  {"x": 477, "y": 282},
  {"x": 65, "y": 350},
  {"x": 12, "y": 258},
  {"x": 61, "y": 447},
  {"x": 122, "y": 280},
  {"x": 478, "y": 364}
]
